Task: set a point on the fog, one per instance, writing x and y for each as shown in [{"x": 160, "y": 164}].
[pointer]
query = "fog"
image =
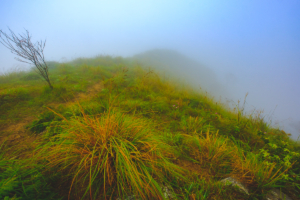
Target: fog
[{"x": 248, "y": 46}]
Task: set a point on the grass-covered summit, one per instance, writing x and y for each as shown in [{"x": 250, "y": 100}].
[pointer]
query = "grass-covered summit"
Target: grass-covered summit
[{"x": 111, "y": 128}]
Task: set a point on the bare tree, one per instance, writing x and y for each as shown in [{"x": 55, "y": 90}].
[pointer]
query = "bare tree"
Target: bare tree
[{"x": 23, "y": 47}]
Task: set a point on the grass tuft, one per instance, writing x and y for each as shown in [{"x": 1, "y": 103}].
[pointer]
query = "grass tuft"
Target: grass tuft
[{"x": 111, "y": 155}]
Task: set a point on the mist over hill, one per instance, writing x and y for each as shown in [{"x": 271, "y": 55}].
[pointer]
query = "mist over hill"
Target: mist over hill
[
  {"x": 227, "y": 87},
  {"x": 180, "y": 65}
]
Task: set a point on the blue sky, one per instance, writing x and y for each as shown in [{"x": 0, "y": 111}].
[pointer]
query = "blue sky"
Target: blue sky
[{"x": 252, "y": 45}]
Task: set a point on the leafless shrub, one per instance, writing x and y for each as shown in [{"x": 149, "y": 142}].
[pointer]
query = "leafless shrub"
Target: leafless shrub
[{"x": 27, "y": 51}]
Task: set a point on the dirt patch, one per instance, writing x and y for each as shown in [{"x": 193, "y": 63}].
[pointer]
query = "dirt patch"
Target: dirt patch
[
  {"x": 15, "y": 131},
  {"x": 17, "y": 134},
  {"x": 91, "y": 91},
  {"x": 83, "y": 96}
]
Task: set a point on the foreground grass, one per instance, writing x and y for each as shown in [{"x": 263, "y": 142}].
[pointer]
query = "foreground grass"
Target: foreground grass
[
  {"x": 111, "y": 129},
  {"x": 111, "y": 155}
]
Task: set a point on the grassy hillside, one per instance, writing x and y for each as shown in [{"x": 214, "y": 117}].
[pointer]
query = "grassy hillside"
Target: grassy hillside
[
  {"x": 191, "y": 71},
  {"x": 111, "y": 129}
]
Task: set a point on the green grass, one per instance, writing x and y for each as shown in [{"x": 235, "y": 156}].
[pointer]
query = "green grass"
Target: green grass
[{"x": 111, "y": 129}]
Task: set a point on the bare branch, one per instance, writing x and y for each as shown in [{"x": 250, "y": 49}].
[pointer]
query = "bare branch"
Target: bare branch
[{"x": 27, "y": 51}]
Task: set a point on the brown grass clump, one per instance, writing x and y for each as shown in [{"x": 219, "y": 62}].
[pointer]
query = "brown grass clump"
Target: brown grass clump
[
  {"x": 111, "y": 155},
  {"x": 215, "y": 155}
]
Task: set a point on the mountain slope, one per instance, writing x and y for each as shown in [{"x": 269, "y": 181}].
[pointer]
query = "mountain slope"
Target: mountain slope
[{"x": 180, "y": 65}]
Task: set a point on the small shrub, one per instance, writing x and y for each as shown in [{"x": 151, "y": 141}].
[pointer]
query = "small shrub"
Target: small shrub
[{"x": 282, "y": 156}]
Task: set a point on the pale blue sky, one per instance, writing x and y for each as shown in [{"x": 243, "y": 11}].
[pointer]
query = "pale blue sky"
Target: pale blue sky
[{"x": 252, "y": 45}]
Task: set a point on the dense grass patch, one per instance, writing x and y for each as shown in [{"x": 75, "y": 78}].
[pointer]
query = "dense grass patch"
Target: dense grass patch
[
  {"x": 21, "y": 180},
  {"x": 111, "y": 155}
]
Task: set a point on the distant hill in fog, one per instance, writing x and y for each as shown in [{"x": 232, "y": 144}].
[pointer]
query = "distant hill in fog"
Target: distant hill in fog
[{"x": 193, "y": 72}]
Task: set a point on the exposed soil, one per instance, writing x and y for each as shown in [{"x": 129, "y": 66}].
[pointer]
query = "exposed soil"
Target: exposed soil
[{"x": 17, "y": 134}]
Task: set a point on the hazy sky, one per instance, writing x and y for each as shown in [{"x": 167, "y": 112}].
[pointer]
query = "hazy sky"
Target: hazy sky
[{"x": 252, "y": 45}]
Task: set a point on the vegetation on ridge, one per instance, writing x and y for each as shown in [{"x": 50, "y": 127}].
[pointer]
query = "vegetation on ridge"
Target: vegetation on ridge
[{"x": 111, "y": 129}]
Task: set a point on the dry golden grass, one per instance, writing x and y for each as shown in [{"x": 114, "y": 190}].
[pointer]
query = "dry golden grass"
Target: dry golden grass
[{"x": 110, "y": 155}]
